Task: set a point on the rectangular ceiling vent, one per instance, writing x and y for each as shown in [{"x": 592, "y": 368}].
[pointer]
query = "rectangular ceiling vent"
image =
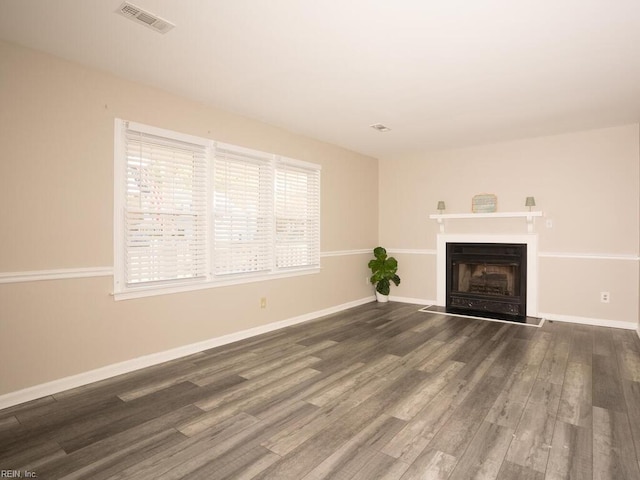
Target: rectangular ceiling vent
[{"x": 145, "y": 18}]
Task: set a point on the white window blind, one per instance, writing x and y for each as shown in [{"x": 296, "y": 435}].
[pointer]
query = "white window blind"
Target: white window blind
[
  {"x": 297, "y": 214},
  {"x": 165, "y": 218},
  {"x": 190, "y": 213},
  {"x": 242, "y": 238}
]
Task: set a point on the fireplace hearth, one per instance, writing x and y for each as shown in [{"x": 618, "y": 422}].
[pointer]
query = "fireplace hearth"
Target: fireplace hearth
[{"x": 487, "y": 279}]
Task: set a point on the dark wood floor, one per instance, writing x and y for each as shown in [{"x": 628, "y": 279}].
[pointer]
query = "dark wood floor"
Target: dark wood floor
[{"x": 376, "y": 392}]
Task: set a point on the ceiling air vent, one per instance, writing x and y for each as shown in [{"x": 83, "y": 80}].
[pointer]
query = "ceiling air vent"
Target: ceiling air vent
[
  {"x": 145, "y": 18},
  {"x": 380, "y": 127}
]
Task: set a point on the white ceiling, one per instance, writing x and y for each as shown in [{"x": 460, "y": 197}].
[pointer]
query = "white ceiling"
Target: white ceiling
[{"x": 439, "y": 74}]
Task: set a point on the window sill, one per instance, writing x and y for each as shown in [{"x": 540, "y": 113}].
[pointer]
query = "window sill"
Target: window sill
[{"x": 153, "y": 290}]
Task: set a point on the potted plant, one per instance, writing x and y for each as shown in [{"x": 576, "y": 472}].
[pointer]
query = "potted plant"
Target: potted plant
[{"x": 383, "y": 271}]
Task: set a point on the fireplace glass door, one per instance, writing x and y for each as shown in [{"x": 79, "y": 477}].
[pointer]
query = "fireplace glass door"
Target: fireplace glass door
[{"x": 487, "y": 279}]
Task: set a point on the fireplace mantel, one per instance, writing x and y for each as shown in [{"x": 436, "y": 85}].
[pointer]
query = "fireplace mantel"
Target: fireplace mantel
[{"x": 530, "y": 217}]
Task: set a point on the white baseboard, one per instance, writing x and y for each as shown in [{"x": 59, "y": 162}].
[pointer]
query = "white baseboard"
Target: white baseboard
[
  {"x": 62, "y": 384},
  {"x": 598, "y": 322},
  {"x": 417, "y": 301}
]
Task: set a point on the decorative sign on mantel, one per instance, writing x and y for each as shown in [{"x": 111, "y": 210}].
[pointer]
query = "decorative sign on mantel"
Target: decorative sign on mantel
[{"x": 484, "y": 203}]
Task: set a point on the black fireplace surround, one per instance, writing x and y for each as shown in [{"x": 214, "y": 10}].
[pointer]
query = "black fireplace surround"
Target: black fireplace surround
[{"x": 487, "y": 280}]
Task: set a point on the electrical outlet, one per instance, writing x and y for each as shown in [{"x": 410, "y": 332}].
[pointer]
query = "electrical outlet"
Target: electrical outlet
[
  {"x": 367, "y": 281},
  {"x": 549, "y": 223},
  {"x": 605, "y": 297},
  {"x": 263, "y": 302}
]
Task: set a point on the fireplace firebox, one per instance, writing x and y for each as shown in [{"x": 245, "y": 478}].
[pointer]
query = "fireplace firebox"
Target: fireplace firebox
[{"x": 487, "y": 280}]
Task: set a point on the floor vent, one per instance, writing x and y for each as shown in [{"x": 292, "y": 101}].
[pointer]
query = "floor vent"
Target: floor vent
[{"x": 145, "y": 18}]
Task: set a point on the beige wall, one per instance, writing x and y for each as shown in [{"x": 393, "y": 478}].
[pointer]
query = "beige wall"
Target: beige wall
[
  {"x": 587, "y": 183},
  {"x": 56, "y": 197},
  {"x": 56, "y": 193}
]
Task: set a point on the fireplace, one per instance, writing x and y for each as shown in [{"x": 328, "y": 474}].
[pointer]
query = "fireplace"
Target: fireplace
[{"x": 487, "y": 279}]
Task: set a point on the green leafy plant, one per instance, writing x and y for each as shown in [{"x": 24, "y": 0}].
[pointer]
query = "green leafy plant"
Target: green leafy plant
[{"x": 383, "y": 271}]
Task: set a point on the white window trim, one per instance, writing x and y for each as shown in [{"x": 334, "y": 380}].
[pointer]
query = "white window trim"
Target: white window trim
[{"x": 121, "y": 290}]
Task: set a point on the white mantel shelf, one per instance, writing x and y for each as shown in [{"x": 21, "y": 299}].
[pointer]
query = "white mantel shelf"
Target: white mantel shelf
[{"x": 530, "y": 216}]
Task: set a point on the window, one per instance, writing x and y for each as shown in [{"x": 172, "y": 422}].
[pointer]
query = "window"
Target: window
[
  {"x": 297, "y": 215},
  {"x": 242, "y": 211},
  {"x": 193, "y": 213}
]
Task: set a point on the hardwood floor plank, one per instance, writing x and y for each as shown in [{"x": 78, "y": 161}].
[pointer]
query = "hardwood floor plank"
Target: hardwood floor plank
[
  {"x": 249, "y": 464},
  {"x": 44, "y": 423},
  {"x": 510, "y": 358},
  {"x": 283, "y": 360},
  {"x": 30, "y": 455},
  {"x": 188, "y": 372},
  {"x": 547, "y": 395},
  {"x": 356, "y": 452},
  {"x": 254, "y": 469},
  {"x": 137, "y": 379},
  {"x": 508, "y": 407},
  {"x": 242, "y": 389},
  {"x": 27, "y": 406},
  {"x": 554, "y": 364},
  {"x": 234, "y": 407},
  {"x": 483, "y": 458},
  {"x": 603, "y": 342},
  {"x": 459, "y": 430},
  {"x": 571, "y": 454},
  {"x": 611, "y": 433},
  {"x": 532, "y": 441},
  {"x": 416, "y": 435},
  {"x": 442, "y": 354},
  {"x": 117, "y": 448},
  {"x": 131, "y": 414},
  {"x": 430, "y": 465},
  {"x": 607, "y": 384},
  {"x": 231, "y": 438},
  {"x": 478, "y": 338},
  {"x": 289, "y": 439},
  {"x": 581, "y": 350},
  {"x": 312, "y": 452},
  {"x": 614, "y": 467},
  {"x": 632, "y": 398},
  {"x": 346, "y": 384},
  {"x": 502, "y": 331},
  {"x": 627, "y": 348},
  {"x": 363, "y": 350},
  {"x": 407, "y": 341},
  {"x": 381, "y": 467},
  {"x": 211, "y": 368},
  {"x": 511, "y": 471},
  {"x": 537, "y": 347},
  {"x": 576, "y": 399},
  {"x": 485, "y": 357},
  {"x": 8, "y": 423},
  {"x": 419, "y": 355},
  {"x": 108, "y": 464},
  {"x": 415, "y": 401},
  {"x": 335, "y": 411},
  {"x": 435, "y": 323},
  {"x": 455, "y": 327},
  {"x": 302, "y": 391}
]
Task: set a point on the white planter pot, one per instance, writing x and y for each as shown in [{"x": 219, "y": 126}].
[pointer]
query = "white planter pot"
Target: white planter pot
[{"x": 381, "y": 298}]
